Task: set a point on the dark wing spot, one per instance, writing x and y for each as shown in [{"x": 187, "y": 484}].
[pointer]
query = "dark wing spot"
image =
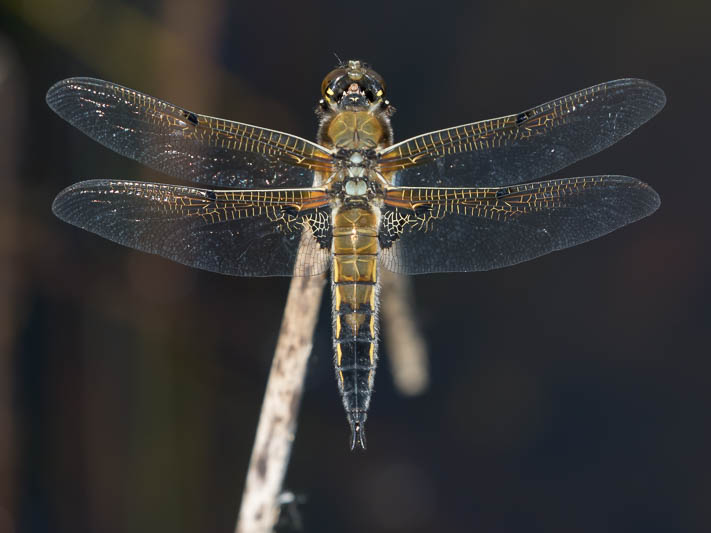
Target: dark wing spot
[
  {"x": 502, "y": 192},
  {"x": 211, "y": 195},
  {"x": 191, "y": 117},
  {"x": 522, "y": 117},
  {"x": 290, "y": 211},
  {"x": 423, "y": 209}
]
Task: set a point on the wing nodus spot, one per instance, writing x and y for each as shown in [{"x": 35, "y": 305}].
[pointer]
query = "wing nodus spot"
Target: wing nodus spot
[{"x": 191, "y": 117}]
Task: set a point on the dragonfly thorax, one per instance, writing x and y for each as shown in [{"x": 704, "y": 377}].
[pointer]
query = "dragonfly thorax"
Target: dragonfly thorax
[
  {"x": 355, "y": 187},
  {"x": 356, "y": 179},
  {"x": 356, "y": 165}
]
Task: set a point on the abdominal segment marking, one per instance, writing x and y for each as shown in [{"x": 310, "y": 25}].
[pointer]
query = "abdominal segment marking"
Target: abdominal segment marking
[{"x": 355, "y": 310}]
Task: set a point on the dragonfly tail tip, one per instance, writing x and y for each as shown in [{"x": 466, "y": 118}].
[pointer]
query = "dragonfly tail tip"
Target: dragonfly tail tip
[{"x": 357, "y": 424}]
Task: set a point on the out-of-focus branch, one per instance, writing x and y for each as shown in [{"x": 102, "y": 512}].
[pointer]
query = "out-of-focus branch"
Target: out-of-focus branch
[
  {"x": 12, "y": 89},
  {"x": 277, "y": 422},
  {"x": 407, "y": 351},
  {"x": 133, "y": 44}
]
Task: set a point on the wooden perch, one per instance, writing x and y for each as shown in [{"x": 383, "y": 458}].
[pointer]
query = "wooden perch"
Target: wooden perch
[{"x": 277, "y": 422}]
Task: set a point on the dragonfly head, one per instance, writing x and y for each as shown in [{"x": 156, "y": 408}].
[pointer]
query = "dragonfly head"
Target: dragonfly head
[{"x": 353, "y": 85}]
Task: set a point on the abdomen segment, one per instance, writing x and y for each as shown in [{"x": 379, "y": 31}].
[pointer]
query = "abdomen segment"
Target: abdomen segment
[{"x": 355, "y": 312}]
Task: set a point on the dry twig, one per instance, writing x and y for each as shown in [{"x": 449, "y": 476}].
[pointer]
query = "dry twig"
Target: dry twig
[{"x": 277, "y": 422}]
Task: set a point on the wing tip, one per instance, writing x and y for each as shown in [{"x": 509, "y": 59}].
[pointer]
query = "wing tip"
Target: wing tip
[
  {"x": 65, "y": 88},
  {"x": 54, "y": 94},
  {"x": 648, "y": 198},
  {"x": 654, "y": 95},
  {"x": 654, "y": 201},
  {"x": 61, "y": 200}
]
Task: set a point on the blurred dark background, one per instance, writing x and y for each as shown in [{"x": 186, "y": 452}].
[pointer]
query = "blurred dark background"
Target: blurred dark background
[{"x": 570, "y": 393}]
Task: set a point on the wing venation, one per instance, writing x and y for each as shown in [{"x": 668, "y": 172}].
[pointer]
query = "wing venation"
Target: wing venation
[
  {"x": 242, "y": 233},
  {"x": 428, "y": 229},
  {"x": 199, "y": 148},
  {"x": 525, "y": 146}
]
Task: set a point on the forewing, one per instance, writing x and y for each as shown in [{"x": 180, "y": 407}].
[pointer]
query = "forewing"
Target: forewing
[
  {"x": 241, "y": 233},
  {"x": 525, "y": 146},
  {"x": 167, "y": 138},
  {"x": 468, "y": 229}
]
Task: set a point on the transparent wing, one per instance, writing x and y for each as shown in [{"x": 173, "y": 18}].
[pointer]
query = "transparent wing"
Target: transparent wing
[
  {"x": 241, "y": 233},
  {"x": 167, "y": 138},
  {"x": 525, "y": 146},
  {"x": 468, "y": 229}
]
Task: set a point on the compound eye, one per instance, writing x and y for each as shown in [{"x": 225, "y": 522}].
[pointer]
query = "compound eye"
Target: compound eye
[
  {"x": 333, "y": 84},
  {"x": 375, "y": 86}
]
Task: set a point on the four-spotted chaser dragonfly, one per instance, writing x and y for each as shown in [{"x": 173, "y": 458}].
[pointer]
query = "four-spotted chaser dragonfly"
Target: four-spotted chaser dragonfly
[{"x": 267, "y": 203}]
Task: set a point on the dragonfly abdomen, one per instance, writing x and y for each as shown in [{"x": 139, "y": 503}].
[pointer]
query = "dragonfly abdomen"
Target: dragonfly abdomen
[{"x": 355, "y": 311}]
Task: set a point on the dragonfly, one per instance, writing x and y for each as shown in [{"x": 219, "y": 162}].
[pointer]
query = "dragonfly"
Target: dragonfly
[{"x": 260, "y": 202}]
